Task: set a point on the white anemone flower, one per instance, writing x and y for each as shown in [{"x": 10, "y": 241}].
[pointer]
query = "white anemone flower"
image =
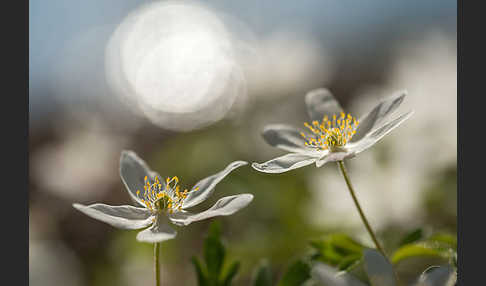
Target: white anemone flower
[
  {"x": 332, "y": 135},
  {"x": 161, "y": 201}
]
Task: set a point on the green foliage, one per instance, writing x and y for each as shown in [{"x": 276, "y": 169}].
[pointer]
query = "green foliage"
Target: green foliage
[
  {"x": 380, "y": 272},
  {"x": 412, "y": 237},
  {"x": 296, "y": 274},
  {"x": 344, "y": 254},
  {"x": 338, "y": 250},
  {"x": 211, "y": 272},
  {"x": 439, "y": 245},
  {"x": 262, "y": 275}
]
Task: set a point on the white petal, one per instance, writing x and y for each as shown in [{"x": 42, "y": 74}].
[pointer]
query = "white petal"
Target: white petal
[
  {"x": 327, "y": 275},
  {"x": 379, "y": 270},
  {"x": 125, "y": 217},
  {"x": 206, "y": 186},
  {"x": 379, "y": 113},
  {"x": 223, "y": 207},
  {"x": 284, "y": 137},
  {"x": 285, "y": 163},
  {"x": 377, "y": 134},
  {"x": 333, "y": 157},
  {"x": 321, "y": 102},
  {"x": 132, "y": 172},
  {"x": 158, "y": 232},
  {"x": 438, "y": 276}
]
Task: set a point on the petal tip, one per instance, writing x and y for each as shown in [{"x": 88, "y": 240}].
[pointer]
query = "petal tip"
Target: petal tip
[
  {"x": 127, "y": 153},
  {"x": 247, "y": 196},
  {"x": 317, "y": 92},
  {"x": 77, "y": 206},
  {"x": 240, "y": 163}
]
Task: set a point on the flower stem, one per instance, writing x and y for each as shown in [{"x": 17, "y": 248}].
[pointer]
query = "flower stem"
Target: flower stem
[
  {"x": 157, "y": 264},
  {"x": 363, "y": 218}
]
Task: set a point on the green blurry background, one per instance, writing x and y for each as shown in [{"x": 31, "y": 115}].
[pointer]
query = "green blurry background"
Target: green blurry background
[{"x": 360, "y": 52}]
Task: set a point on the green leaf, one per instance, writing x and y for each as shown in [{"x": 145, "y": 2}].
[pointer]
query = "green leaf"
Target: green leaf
[
  {"x": 337, "y": 249},
  {"x": 379, "y": 270},
  {"x": 348, "y": 262},
  {"x": 345, "y": 244},
  {"x": 230, "y": 274},
  {"x": 201, "y": 276},
  {"x": 445, "y": 239},
  {"x": 411, "y": 237},
  {"x": 419, "y": 249},
  {"x": 214, "y": 253},
  {"x": 296, "y": 274},
  {"x": 263, "y": 275},
  {"x": 215, "y": 229}
]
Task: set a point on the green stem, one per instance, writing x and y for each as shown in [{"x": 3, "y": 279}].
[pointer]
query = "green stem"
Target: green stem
[
  {"x": 363, "y": 218},
  {"x": 157, "y": 263}
]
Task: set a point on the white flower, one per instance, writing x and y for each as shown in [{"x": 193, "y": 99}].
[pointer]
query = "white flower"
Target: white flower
[
  {"x": 333, "y": 135},
  {"x": 162, "y": 201}
]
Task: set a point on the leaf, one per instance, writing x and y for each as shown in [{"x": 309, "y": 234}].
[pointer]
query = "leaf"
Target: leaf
[
  {"x": 296, "y": 274},
  {"x": 411, "y": 237},
  {"x": 230, "y": 274},
  {"x": 348, "y": 261},
  {"x": 215, "y": 229},
  {"x": 201, "y": 277},
  {"x": 379, "y": 270},
  {"x": 336, "y": 249},
  {"x": 214, "y": 252},
  {"x": 345, "y": 244},
  {"x": 445, "y": 239},
  {"x": 420, "y": 249},
  {"x": 263, "y": 275}
]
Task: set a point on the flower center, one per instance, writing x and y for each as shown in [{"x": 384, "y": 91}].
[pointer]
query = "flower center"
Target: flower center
[
  {"x": 158, "y": 197},
  {"x": 330, "y": 134}
]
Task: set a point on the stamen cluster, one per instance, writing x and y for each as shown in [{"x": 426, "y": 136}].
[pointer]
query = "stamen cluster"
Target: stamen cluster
[
  {"x": 330, "y": 134},
  {"x": 158, "y": 197}
]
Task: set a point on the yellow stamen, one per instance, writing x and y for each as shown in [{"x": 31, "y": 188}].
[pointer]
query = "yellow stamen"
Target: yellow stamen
[{"x": 330, "y": 133}]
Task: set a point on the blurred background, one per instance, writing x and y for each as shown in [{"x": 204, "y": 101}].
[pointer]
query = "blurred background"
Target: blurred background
[{"x": 189, "y": 87}]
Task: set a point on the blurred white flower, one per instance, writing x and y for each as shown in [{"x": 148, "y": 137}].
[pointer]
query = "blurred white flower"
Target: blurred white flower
[
  {"x": 82, "y": 163},
  {"x": 50, "y": 261}
]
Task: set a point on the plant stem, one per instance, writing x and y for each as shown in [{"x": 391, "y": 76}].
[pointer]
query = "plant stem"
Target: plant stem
[
  {"x": 157, "y": 264},
  {"x": 363, "y": 218}
]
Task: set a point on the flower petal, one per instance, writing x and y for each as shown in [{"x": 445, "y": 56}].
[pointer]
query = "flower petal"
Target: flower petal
[
  {"x": 321, "y": 102},
  {"x": 125, "y": 217},
  {"x": 284, "y": 137},
  {"x": 223, "y": 207},
  {"x": 374, "y": 136},
  {"x": 204, "y": 188},
  {"x": 438, "y": 276},
  {"x": 376, "y": 116},
  {"x": 333, "y": 157},
  {"x": 132, "y": 172},
  {"x": 285, "y": 163},
  {"x": 158, "y": 232},
  {"x": 327, "y": 275},
  {"x": 378, "y": 268}
]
